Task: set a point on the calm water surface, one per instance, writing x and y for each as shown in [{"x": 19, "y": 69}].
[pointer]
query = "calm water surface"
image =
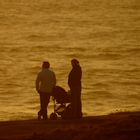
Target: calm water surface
[{"x": 104, "y": 35}]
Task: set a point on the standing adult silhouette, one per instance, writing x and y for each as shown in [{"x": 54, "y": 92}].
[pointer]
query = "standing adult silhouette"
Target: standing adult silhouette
[
  {"x": 74, "y": 82},
  {"x": 45, "y": 82}
]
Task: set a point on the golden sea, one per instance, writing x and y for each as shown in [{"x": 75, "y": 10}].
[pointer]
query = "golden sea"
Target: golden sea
[{"x": 104, "y": 35}]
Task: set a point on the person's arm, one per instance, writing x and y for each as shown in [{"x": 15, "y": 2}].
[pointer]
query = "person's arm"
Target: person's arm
[
  {"x": 54, "y": 77},
  {"x": 69, "y": 80}
]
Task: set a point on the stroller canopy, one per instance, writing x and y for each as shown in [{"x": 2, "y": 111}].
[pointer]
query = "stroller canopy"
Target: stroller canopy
[{"x": 60, "y": 95}]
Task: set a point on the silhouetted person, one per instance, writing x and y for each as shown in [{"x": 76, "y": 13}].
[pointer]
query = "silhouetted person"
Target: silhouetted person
[
  {"x": 74, "y": 82},
  {"x": 45, "y": 82}
]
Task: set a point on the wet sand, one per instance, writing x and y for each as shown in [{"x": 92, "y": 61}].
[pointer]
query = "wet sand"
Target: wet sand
[{"x": 119, "y": 126}]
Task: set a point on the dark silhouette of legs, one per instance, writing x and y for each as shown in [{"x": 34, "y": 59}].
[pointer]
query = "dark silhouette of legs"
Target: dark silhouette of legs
[
  {"x": 44, "y": 101},
  {"x": 76, "y": 102}
]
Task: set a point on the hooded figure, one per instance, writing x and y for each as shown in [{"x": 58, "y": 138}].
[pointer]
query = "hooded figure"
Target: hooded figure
[{"x": 74, "y": 82}]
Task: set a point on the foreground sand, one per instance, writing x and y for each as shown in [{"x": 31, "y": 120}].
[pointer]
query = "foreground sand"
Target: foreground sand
[{"x": 119, "y": 126}]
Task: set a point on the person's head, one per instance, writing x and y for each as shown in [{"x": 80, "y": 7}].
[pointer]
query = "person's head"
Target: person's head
[
  {"x": 74, "y": 62},
  {"x": 46, "y": 64}
]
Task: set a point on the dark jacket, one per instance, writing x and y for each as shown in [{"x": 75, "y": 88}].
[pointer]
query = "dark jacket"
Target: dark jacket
[{"x": 74, "y": 78}]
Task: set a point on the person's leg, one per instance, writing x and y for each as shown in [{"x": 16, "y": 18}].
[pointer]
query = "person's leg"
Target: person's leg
[
  {"x": 78, "y": 105},
  {"x": 73, "y": 103},
  {"x": 45, "y": 106},
  {"x": 40, "y": 112}
]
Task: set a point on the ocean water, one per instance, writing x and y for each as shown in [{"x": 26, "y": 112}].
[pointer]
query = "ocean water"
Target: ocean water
[{"x": 104, "y": 35}]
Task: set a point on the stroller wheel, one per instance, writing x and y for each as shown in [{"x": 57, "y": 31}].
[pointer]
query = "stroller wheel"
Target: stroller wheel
[{"x": 53, "y": 116}]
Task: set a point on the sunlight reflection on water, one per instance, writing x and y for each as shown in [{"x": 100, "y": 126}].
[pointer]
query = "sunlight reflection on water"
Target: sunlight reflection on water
[{"x": 99, "y": 35}]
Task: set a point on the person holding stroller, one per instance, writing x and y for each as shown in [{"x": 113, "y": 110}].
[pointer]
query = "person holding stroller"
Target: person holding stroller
[
  {"x": 74, "y": 82},
  {"x": 45, "y": 82}
]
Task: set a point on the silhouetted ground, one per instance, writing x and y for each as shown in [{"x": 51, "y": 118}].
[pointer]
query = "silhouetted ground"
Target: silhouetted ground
[{"x": 119, "y": 126}]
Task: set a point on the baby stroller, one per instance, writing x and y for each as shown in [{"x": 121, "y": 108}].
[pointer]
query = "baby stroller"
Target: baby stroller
[{"x": 62, "y": 103}]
